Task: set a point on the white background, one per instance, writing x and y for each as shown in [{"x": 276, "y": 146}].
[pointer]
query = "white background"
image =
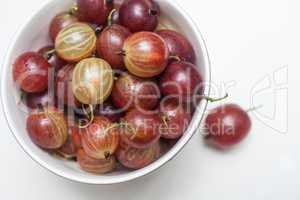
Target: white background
[{"x": 247, "y": 41}]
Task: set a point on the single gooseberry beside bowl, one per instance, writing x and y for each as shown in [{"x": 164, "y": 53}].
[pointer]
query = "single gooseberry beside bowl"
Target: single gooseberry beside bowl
[
  {"x": 30, "y": 37},
  {"x": 227, "y": 125}
]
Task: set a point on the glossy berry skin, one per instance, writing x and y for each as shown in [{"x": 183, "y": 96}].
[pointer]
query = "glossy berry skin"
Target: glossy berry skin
[
  {"x": 30, "y": 72},
  {"x": 74, "y": 131},
  {"x": 146, "y": 54},
  {"x": 182, "y": 80},
  {"x": 108, "y": 110},
  {"x": 227, "y": 125},
  {"x": 35, "y": 100},
  {"x": 118, "y": 3},
  {"x": 47, "y": 128},
  {"x": 178, "y": 45},
  {"x": 63, "y": 86},
  {"x": 92, "y": 81},
  {"x": 75, "y": 42},
  {"x": 56, "y": 62},
  {"x": 94, "y": 11},
  {"x": 133, "y": 158},
  {"x": 76, "y": 137},
  {"x": 73, "y": 143},
  {"x": 95, "y": 166},
  {"x": 140, "y": 129},
  {"x": 130, "y": 92},
  {"x": 100, "y": 139},
  {"x": 59, "y": 22},
  {"x": 139, "y": 15},
  {"x": 110, "y": 44},
  {"x": 175, "y": 119}
]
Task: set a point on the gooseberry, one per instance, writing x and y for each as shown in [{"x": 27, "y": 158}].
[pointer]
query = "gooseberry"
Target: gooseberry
[
  {"x": 134, "y": 158},
  {"x": 95, "y": 166},
  {"x": 59, "y": 22},
  {"x": 227, "y": 125},
  {"x": 101, "y": 138},
  {"x": 175, "y": 119},
  {"x": 140, "y": 130},
  {"x": 139, "y": 15},
  {"x": 130, "y": 91},
  {"x": 92, "y": 81},
  {"x": 63, "y": 87},
  {"x": 110, "y": 44},
  {"x": 75, "y": 42},
  {"x": 178, "y": 45},
  {"x": 30, "y": 72},
  {"x": 47, "y": 128},
  {"x": 94, "y": 11},
  {"x": 73, "y": 143},
  {"x": 183, "y": 81},
  {"x": 145, "y": 54}
]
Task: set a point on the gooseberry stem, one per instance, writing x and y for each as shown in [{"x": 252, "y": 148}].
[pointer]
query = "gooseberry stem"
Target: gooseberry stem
[
  {"x": 254, "y": 108},
  {"x": 177, "y": 58},
  {"x": 89, "y": 116},
  {"x": 164, "y": 119},
  {"x": 74, "y": 9},
  {"x": 49, "y": 54},
  {"x": 106, "y": 155},
  {"x": 212, "y": 100},
  {"x": 110, "y": 16}
]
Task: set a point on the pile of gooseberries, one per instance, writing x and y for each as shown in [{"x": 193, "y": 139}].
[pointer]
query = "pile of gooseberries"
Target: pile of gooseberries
[{"x": 111, "y": 88}]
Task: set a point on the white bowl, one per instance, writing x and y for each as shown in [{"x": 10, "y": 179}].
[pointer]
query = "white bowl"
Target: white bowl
[{"x": 34, "y": 34}]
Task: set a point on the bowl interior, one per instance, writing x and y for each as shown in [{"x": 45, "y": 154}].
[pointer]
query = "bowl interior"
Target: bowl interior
[{"x": 34, "y": 34}]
